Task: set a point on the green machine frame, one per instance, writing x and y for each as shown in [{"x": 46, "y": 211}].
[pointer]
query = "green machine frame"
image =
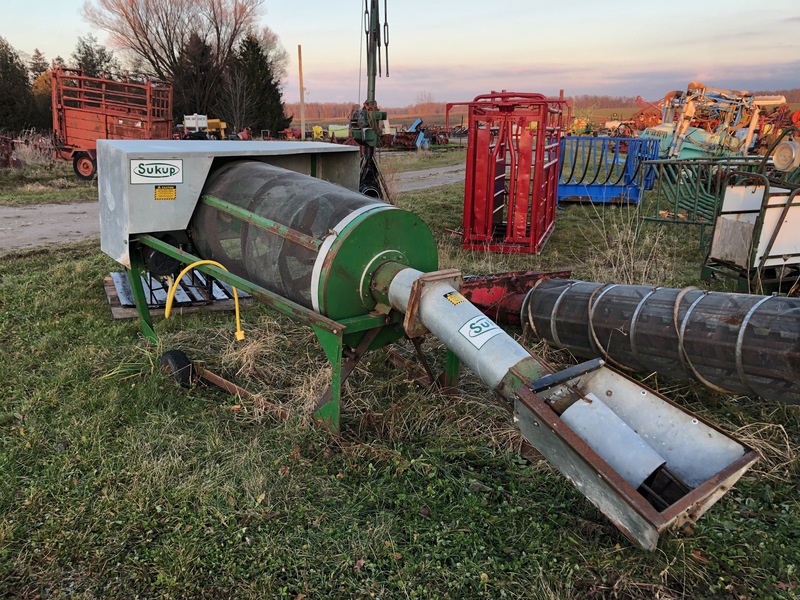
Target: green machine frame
[{"x": 344, "y": 342}]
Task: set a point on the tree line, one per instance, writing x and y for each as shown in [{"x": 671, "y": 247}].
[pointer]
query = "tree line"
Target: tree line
[
  {"x": 214, "y": 55},
  {"x": 792, "y": 96},
  {"x": 320, "y": 111}
]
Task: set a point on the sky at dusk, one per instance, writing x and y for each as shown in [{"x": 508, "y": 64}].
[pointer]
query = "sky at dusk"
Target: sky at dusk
[{"x": 454, "y": 50}]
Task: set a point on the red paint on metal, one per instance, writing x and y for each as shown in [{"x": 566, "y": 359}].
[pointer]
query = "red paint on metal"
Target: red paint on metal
[
  {"x": 86, "y": 109},
  {"x": 512, "y": 170},
  {"x": 500, "y": 295}
]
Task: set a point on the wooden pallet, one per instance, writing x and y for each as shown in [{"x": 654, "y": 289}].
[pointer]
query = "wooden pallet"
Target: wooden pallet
[{"x": 190, "y": 301}]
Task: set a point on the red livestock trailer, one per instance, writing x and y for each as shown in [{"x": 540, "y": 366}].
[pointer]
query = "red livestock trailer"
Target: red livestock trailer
[{"x": 86, "y": 109}]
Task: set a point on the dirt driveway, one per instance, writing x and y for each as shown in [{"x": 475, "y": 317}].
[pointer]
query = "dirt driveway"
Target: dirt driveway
[{"x": 41, "y": 224}]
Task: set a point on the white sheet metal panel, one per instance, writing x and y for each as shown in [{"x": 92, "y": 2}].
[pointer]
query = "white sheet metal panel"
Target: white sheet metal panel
[
  {"x": 151, "y": 186},
  {"x": 786, "y": 248},
  {"x": 740, "y": 199},
  {"x": 733, "y": 234}
]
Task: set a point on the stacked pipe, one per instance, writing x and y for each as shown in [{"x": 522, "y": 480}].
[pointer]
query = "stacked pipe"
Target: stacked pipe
[{"x": 734, "y": 343}]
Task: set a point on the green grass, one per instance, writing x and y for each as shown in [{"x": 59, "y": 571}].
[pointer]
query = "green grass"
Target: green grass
[
  {"x": 44, "y": 182},
  {"x": 116, "y": 483}
]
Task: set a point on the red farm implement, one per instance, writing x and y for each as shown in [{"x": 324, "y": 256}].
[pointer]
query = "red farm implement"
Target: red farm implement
[
  {"x": 512, "y": 170},
  {"x": 648, "y": 115},
  {"x": 7, "y": 152},
  {"x": 86, "y": 109}
]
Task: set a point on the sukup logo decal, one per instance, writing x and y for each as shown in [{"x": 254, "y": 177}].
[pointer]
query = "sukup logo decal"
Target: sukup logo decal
[
  {"x": 156, "y": 171},
  {"x": 479, "y": 330}
]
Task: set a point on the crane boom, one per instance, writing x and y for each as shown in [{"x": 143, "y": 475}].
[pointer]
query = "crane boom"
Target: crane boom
[{"x": 365, "y": 122}]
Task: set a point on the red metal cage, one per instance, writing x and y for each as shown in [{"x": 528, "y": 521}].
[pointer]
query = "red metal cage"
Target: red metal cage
[{"x": 510, "y": 193}]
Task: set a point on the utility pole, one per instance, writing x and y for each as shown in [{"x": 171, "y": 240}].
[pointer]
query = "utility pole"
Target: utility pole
[{"x": 302, "y": 94}]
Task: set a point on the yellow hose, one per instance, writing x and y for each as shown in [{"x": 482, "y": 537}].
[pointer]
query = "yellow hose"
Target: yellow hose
[{"x": 174, "y": 287}]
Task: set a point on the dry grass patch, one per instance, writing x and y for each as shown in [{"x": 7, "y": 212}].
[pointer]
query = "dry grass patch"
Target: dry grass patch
[
  {"x": 56, "y": 184},
  {"x": 778, "y": 452},
  {"x": 34, "y": 154}
]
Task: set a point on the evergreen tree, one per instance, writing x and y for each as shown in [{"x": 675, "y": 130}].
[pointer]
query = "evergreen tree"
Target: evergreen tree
[
  {"x": 93, "y": 58},
  {"x": 38, "y": 64},
  {"x": 41, "y": 115},
  {"x": 15, "y": 95},
  {"x": 195, "y": 83},
  {"x": 269, "y": 111}
]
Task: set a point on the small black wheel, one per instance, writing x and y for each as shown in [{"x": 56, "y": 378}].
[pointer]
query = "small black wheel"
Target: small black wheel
[
  {"x": 84, "y": 166},
  {"x": 178, "y": 365}
]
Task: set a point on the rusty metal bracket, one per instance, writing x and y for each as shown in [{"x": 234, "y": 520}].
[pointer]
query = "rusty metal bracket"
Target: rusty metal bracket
[
  {"x": 421, "y": 372},
  {"x": 411, "y": 323},
  {"x": 279, "y": 412},
  {"x": 417, "y": 341}
]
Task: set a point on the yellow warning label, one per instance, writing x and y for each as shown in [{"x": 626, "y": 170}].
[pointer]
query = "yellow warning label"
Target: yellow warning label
[
  {"x": 166, "y": 192},
  {"x": 454, "y": 298}
]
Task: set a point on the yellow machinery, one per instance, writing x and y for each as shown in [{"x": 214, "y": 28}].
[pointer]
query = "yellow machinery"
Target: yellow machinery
[{"x": 213, "y": 128}]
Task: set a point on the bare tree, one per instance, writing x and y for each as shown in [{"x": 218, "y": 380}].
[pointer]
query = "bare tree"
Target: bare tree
[
  {"x": 238, "y": 106},
  {"x": 425, "y": 97},
  {"x": 276, "y": 54},
  {"x": 425, "y": 102},
  {"x": 158, "y": 30}
]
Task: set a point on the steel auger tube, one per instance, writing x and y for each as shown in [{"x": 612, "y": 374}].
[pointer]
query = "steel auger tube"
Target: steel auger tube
[
  {"x": 480, "y": 343},
  {"x": 508, "y": 368},
  {"x": 733, "y": 343},
  {"x": 631, "y": 453}
]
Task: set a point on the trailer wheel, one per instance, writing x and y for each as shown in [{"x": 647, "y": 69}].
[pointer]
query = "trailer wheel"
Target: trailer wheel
[
  {"x": 84, "y": 166},
  {"x": 176, "y": 364}
]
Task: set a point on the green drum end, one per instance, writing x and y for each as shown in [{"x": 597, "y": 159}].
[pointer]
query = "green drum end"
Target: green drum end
[{"x": 384, "y": 235}]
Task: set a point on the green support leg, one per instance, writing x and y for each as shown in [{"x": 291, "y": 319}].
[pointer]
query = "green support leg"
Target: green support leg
[
  {"x": 135, "y": 280},
  {"x": 329, "y": 411},
  {"x": 452, "y": 367}
]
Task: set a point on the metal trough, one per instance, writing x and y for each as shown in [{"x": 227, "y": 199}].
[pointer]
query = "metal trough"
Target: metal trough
[{"x": 605, "y": 169}]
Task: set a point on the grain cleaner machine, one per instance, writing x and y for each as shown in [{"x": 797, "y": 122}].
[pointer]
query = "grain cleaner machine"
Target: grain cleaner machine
[{"x": 284, "y": 222}]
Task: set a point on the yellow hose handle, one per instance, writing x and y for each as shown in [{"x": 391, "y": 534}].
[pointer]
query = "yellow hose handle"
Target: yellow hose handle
[{"x": 174, "y": 287}]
